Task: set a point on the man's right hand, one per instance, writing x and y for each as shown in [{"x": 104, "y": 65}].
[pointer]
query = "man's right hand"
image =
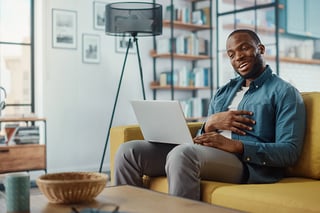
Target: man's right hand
[{"x": 234, "y": 120}]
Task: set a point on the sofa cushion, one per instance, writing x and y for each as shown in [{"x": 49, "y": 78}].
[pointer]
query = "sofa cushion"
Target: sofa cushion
[
  {"x": 289, "y": 195},
  {"x": 160, "y": 184},
  {"x": 308, "y": 164}
]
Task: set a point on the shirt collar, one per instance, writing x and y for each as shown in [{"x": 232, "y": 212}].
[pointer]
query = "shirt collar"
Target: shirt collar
[
  {"x": 238, "y": 81},
  {"x": 262, "y": 78}
]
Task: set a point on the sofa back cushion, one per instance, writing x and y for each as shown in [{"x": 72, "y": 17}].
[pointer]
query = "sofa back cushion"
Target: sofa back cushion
[{"x": 308, "y": 164}]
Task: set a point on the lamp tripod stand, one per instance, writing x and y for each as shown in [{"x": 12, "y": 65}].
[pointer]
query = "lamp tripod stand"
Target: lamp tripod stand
[
  {"x": 135, "y": 40},
  {"x": 131, "y": 19}
]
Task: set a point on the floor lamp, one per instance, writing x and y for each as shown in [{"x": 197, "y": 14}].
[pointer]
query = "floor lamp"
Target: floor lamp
[{"x": 131, "y": 19}]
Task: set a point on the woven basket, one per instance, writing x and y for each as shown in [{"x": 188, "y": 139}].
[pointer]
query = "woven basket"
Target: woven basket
[{"x": 71, "y": 187}]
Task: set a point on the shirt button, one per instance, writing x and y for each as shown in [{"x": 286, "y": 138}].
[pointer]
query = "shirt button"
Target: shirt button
[
  {"x": 264, "y": 163},
  {"x": 257, "y": 86},
  {"x": 248, "y": 159}
]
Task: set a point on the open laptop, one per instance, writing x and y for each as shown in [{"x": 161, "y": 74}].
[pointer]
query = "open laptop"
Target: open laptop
[{"x": 162, "y": 121}]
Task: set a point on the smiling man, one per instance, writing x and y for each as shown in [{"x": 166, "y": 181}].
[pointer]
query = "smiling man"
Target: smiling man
[{"x": 254, "y": 131}]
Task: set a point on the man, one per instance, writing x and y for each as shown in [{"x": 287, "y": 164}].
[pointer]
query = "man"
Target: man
[{"x": 254, "y": 130}]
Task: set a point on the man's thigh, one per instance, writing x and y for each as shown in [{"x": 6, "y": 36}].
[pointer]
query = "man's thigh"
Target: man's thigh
[
  {"x": 151, "y": 157},
  {"x": 213, "y": 164}
]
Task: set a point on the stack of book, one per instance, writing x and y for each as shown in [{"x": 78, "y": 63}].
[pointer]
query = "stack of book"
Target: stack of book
[
  {"x": 184, "y": 77},
  {"x": 26, "y": 135},
  {"x": 199, "y": 16},
  {"x": 195, "y": 107},
  {"x": 189, "y": 44}
]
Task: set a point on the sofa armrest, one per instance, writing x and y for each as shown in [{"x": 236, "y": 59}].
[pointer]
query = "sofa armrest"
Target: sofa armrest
[{"x": 122, "y": 134}]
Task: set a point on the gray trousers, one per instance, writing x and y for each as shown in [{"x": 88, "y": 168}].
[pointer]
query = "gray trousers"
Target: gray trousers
[{"x": 184, "y": 165}]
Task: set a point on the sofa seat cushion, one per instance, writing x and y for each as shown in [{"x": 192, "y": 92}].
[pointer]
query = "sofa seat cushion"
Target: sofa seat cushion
[
  {"x": 288, "y": 195},
  {"x": 160, "y": 184}
]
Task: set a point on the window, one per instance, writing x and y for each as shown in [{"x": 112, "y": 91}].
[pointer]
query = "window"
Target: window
[{"x": 16, "y": 56}]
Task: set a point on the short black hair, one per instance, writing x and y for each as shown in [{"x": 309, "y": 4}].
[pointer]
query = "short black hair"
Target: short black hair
[{"x": 251, "y": 33}]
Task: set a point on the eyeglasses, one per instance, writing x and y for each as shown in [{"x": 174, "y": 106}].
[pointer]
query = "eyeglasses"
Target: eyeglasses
[{"x": 103, "y": 209}]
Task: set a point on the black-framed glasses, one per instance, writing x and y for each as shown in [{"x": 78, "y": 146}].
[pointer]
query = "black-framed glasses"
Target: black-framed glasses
[{"x": 106, "y": 208}]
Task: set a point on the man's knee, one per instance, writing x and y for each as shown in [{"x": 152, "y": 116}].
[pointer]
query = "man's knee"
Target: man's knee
[
  {"x": 124, "y": 152},
  {"x": 179, "y": 157}
]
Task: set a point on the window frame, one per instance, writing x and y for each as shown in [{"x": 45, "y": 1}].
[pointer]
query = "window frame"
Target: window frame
[{"x": 32, "y": 60}]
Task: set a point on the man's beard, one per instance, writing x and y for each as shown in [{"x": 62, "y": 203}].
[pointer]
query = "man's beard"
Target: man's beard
[{"x": 256, "y": 69}]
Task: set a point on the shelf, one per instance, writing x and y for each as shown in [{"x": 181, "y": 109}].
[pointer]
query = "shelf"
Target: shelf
[
  {"x": 185, "y": 26},
  {"x": 153, "y": 54},
  {"x": 290, "y": 60},
  {"x": 156, "y": 86},
  {"x": 261, "y": 29},
  {"x": 20, "y": 119},
  {"x": 247, "y": 3},
  {"x": 295, "y": 60},
  {"x": 25, "y": 157},
  {"x": 179, "y": 31}
]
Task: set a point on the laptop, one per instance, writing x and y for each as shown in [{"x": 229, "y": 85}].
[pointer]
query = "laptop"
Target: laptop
[{"x": 162, "y": 121}]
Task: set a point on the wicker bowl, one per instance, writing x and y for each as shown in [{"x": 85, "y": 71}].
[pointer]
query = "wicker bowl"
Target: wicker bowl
[{"x": 71, "y": 187}]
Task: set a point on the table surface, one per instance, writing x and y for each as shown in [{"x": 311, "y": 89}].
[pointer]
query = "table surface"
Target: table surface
[{"x": 129, "y": 199}]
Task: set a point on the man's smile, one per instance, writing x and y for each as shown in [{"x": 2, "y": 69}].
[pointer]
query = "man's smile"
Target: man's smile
[{"x": 243, "y": 67}]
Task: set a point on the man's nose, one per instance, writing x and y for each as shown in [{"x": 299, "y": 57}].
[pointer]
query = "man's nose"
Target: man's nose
[{"x": 239, "y": 55}]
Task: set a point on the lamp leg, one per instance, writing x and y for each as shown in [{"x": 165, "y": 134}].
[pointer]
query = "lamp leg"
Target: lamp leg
[
  {"x": 114, "y": 106},
  {"x": 140, "y": 68}
]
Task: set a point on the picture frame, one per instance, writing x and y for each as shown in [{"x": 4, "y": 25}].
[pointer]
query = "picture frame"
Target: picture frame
[
  {"x": 99, "y": 15},
  {"x": 90, "y": 48},
  {"x": 122, "y": 44},
  {"x": 64, "y": 29}
]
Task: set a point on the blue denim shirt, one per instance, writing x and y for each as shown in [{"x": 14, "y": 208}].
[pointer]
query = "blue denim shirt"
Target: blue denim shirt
[{"x": 277, "y": 137}]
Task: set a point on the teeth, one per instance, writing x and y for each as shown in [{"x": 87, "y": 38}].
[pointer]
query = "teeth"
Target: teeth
[{"x": 243, "y": 65}]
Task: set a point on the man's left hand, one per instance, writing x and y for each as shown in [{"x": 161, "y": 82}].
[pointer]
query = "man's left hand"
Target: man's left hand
[{"x": 216, "y": 140}]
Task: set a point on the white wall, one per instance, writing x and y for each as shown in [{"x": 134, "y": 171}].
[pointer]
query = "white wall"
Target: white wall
[{"x": 78, "y": 98}]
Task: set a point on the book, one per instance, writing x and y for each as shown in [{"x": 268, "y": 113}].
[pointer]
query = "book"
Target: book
[
  {"x": 26, "y": 135},
  {"x": 165, "y": 78},
  {"x": 167, "y": 13},
  {"x": 206, "y": 19},
  {"x": 201, "y": 76},
  {"x": 203, "y": 45},
  {"x": 196, "y": 107},
  {"x": 163, "y": 45},
  {"x": 197, "y": 17}
]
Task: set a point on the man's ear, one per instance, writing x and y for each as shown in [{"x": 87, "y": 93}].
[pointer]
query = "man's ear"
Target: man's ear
[{"x": 261, "y": 48}]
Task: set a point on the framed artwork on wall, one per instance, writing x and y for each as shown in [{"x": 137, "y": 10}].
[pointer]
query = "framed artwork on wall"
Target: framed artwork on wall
[
  {"x": 90, "y": 48},
  {"x": 99, "y": 15},
  {"x": 64, "y": 29},
  {"x": 122, "y": 44}
]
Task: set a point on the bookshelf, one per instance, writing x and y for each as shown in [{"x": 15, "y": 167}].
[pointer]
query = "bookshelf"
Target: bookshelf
[
  {"x": 24, "y": 157},
  {"x": 189, "y": 42},
  {"x": 271, "y": 20},
  {"x": 259, "y": 16}
]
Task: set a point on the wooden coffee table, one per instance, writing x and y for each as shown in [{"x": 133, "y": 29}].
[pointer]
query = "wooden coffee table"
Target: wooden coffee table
[{"x": 130, "y": 199}]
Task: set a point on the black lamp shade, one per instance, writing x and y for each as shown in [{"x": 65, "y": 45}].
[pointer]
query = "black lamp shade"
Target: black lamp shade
[{"x": 133, "y": 19}]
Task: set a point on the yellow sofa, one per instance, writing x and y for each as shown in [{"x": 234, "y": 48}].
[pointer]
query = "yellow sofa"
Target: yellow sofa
[{"x": 299, "y": 191}]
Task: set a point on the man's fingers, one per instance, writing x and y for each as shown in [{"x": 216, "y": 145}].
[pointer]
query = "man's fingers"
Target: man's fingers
[
  {"x": 245, "y": 120},
  {"x": 243, "y": 112},
  {"x": 238, "y": 131}
]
